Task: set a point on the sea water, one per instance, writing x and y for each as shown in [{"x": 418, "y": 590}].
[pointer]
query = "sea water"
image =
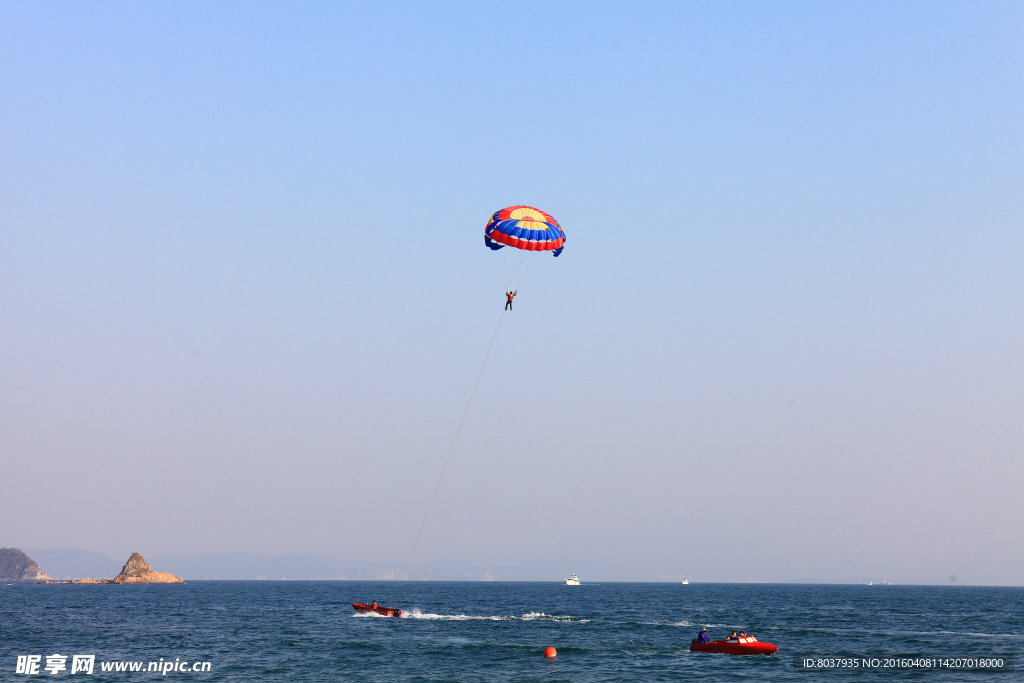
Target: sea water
[{"x": 495, "y": 631}]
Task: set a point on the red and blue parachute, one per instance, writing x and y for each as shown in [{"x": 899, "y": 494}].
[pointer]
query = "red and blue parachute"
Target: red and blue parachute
[{"x": 531, "y": 234}]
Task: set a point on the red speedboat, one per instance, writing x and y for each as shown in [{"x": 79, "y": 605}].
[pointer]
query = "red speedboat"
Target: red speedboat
[
  {"x": 383, "y": 611},
  {"x": 748, "y": 645}
]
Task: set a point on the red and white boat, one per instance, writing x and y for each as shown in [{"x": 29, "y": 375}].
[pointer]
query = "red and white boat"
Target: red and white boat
[
  {"x": 748, "y": 645},
  {"x": 383, "y": 611}
]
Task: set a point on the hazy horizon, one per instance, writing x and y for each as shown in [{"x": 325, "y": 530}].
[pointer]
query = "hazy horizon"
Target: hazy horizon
[
  {"x": 244, "y": 294},
  {"x": 77, "y": 563}
]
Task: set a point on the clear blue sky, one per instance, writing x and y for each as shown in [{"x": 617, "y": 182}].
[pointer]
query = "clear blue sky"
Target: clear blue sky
[{"x": 244, "y": 295}]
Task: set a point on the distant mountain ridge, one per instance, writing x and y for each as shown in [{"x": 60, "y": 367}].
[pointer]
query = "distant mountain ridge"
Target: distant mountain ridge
[
  {"x": 251, "y": 566},
  {"x": 73, "y": 563}
]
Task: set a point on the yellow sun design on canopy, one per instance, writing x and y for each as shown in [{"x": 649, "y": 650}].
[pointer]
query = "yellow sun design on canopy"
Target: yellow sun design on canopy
[
  {"x": 525, "y": 213},
  {"x": 532, "y": 225}
]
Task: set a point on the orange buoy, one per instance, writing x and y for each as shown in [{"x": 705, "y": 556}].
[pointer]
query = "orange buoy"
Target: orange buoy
[{"x": 550, "y": 652}]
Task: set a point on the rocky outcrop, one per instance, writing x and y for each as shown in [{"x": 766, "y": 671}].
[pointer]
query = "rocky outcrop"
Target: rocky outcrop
[
  {"x": 136, "y": 570},
  {"x": 16, "y": 565}
]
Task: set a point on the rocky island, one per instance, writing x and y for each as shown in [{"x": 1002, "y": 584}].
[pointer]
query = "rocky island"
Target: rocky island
[
  {"x": 136, "y": 570},
  {"x": 16, "y": 565}
]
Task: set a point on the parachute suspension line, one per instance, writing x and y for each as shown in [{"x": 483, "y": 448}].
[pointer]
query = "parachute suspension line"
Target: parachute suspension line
[
  {"x": 513, "y": 281},
  {"x": 516, "y": 269},
  {"x": 537, "y": 265},
  {"x": 529, "y": 264},
  {"x": 509, "y": 265},
  {"x": 500, "y": 265},
  {"x": 452, "y": 449}
]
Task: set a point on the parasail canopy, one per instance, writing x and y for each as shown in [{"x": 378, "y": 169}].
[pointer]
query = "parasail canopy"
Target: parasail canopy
[
  {"x": 526, "y": 228},
  {"x": 530, "y": 234}
]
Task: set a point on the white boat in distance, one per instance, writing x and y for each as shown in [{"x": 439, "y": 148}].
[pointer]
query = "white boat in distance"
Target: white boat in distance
[
  {"x": 686, "y": 582},
  {"x": 572, "y": 580}
]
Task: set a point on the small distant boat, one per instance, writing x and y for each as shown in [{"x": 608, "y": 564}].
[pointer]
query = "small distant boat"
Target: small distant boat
[
  {"x": 383, "y": 611},
  {"x": 686, "y": 582},
  {"x": 744, "y": 646},
  {"x": 572, "y": 580}
]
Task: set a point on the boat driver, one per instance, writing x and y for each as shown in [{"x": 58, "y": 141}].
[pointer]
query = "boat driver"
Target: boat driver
[
  {"x": 374, "y": 604},
  {"x": 702, "y": 637}
]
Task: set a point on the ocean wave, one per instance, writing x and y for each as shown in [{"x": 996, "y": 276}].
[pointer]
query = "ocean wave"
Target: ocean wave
[
  {"x": 871, "y": 633},
  {"x": 688, "y": 624},
  {"x": 531, "y": 616},
  {"x": 976, "y": 634},
  {"x": 415, "y": 613}
]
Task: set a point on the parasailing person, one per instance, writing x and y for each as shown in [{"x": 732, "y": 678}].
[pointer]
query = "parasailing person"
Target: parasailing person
[{"x": 522, "y": 239}]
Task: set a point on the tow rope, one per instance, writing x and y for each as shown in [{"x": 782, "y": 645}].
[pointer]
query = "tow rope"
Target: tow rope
[{"x": 452, "y": 449}]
